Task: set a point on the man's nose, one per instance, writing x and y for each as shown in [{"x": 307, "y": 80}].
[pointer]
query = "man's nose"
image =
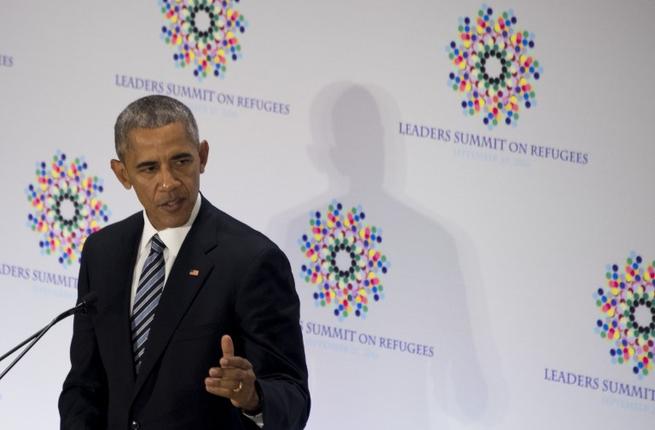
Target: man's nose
[{"x": 167, "y": 180}]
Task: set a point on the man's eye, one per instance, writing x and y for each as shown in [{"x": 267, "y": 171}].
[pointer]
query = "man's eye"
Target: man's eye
[{"x": 183, "y": 161}]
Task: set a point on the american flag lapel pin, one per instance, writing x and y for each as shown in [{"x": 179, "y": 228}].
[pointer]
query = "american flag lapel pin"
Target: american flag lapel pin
[{"x": 194, "y": 272}]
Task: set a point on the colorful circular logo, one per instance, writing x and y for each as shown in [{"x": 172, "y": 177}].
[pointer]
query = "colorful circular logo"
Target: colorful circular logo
[
  {"x": 493, "y": 67},
  {"x": 343, "y": 263},
  {"x": 65, "y": 207},
  {"x": 628, "y": 306},
  {"x": 203, "y": 34}
]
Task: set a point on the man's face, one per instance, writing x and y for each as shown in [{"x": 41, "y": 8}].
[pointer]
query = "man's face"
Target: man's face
[{"x": 164, "y": 166}]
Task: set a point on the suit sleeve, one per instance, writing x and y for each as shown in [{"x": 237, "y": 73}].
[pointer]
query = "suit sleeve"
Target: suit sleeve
[
  {"x": 83, "y": 400},
  {"x": 268, "y": 310}
]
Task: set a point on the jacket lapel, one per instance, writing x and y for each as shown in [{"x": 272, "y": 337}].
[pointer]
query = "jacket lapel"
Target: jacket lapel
[{"x": 187, "y": 276}]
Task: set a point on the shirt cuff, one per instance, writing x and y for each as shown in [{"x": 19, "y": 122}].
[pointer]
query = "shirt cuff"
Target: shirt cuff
[{"x": 258, "y": 419}]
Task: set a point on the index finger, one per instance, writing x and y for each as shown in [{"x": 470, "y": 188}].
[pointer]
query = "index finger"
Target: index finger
[{"x": 235, "y": 363}]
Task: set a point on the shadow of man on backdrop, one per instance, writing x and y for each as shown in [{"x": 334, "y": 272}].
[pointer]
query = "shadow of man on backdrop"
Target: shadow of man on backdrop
[{"x": 355, "y": 145}]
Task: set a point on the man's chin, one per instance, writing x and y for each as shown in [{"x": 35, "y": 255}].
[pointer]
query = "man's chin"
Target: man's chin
[{"x": 167, "y": 218}]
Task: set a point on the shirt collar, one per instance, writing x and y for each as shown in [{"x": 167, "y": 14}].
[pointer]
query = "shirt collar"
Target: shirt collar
[{"x": 172, "y": 237}]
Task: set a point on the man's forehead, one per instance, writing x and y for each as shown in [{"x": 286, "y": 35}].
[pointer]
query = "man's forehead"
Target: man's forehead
[
  {"x": 172, "y": 134},
  {"x": 139, "y": 153}
]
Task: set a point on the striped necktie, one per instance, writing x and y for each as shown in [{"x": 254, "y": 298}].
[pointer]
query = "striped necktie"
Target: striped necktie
[{"x": 148, "y": 293}]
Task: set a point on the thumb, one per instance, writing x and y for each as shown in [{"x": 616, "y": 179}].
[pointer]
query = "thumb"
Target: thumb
[{"x": 227, "y": 346}]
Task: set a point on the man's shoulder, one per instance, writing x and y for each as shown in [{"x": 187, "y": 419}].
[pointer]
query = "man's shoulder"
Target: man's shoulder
[
  {"x": 116, "y": 232},
  {"x": 245, "y": 238}
]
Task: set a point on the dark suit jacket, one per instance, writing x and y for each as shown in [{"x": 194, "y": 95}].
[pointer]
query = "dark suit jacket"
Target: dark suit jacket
[{"x": 243, "y": 288}]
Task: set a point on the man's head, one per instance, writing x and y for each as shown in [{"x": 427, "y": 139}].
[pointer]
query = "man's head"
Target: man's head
[{"x": 159, "y": 154}]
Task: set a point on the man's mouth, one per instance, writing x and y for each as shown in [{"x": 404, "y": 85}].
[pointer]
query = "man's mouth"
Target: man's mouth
[{"x": 172, "y": 205}]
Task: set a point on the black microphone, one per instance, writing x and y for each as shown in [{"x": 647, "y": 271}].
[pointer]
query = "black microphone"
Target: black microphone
[{"x": 86, "y": 305}]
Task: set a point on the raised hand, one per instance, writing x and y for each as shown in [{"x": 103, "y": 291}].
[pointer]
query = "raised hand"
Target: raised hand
[{"x": 234, "y": 379}]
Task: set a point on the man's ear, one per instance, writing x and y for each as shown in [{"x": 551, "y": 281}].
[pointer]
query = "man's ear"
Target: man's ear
[
  {"x": 203, "y": 152},
  {"x": 121, "y": 173}
]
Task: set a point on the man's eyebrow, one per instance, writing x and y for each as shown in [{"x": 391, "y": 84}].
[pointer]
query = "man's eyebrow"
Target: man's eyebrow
[
  {"x": 148, "y": 163},
  {"x": 182, "y": 155}
]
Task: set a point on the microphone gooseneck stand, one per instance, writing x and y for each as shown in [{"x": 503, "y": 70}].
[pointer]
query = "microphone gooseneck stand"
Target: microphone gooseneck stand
[{"x": 83, "y": 307}]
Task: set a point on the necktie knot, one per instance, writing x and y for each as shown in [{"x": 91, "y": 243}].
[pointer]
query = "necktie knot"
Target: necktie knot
[{"x": 156, "y": 245}]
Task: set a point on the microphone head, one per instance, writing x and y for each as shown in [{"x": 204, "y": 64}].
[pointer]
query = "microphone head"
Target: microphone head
[{"x": 88, "y": 302}]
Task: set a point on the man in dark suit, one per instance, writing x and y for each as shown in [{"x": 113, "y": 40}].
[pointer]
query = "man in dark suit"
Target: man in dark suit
[{"x": 197, "y": 320}]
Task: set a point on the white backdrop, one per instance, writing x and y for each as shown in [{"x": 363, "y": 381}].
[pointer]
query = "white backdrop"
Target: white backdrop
[{"x": 488, "y": 315}]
